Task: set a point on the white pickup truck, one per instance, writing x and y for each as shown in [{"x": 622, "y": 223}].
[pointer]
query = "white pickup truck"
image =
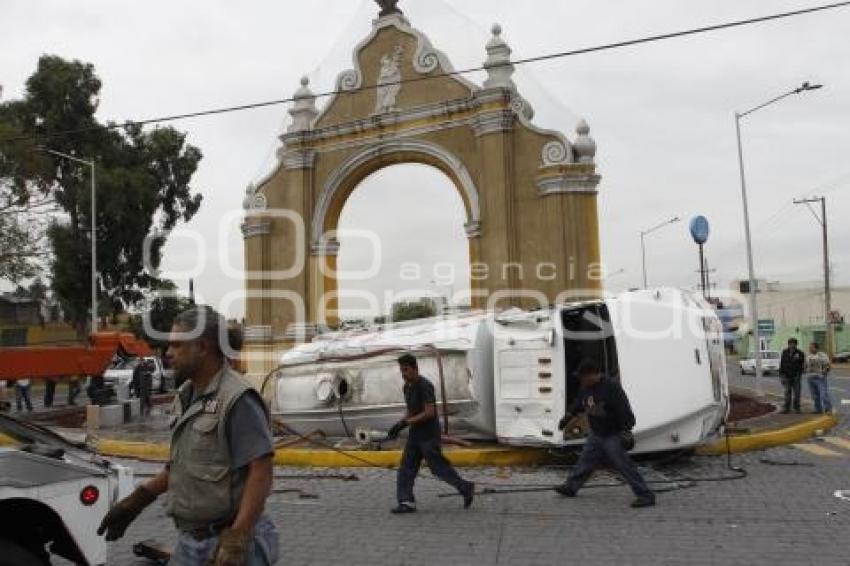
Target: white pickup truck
[
  {"x": 121, "y": 374},
  {"x": 53, "y": 495}
]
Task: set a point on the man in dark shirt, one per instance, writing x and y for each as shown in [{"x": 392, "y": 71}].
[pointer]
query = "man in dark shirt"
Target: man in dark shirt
[
  {"x": 791, "y": 369},
  {"x": 423, "y": 440},
  {"x": 611, "y": 421}
]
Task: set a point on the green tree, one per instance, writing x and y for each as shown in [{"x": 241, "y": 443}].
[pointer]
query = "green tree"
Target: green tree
[
  {"x": 36, "y": 291},
  {"x": 413, "y": 310},
  {"x": 143, "y": 189},
  {"x": 158, "y": 313},
  {"x": 25, "y": 203}
]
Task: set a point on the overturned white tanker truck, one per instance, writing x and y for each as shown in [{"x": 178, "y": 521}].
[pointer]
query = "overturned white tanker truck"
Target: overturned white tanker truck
[{"x": 510, "y": 376}]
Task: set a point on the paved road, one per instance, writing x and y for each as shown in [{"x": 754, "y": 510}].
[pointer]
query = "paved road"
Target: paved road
[{"x": 778, "y": 514}]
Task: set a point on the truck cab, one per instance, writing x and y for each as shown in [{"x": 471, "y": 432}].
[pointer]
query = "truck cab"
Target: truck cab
[{"x": 663, "y": 346}]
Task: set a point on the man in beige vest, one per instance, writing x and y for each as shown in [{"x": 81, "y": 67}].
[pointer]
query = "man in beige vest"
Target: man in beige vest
[{"x": 220, "y": 471}]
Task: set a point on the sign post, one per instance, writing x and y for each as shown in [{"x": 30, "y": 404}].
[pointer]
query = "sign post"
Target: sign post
[{"x": 699, "y": 232}]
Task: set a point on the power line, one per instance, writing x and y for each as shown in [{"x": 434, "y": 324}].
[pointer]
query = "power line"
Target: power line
[
  {"x": 528, "y": 60},
  {"x": 778, "y": 217}
]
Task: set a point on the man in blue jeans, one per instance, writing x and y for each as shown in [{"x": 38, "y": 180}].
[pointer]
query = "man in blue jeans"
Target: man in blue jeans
[
  {"x": 423, "y": 441},
  {"x": 816, "y": 369},
  {"x": 22, "y": 395},
  {"x": 611, "y": 421}
]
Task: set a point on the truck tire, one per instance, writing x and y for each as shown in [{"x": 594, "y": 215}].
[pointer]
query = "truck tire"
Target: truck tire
[{"x": 13, "y": 554}]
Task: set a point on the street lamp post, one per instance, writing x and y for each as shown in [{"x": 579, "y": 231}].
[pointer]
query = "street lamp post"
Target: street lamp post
[
  {"x": 751, "y": 271},
  {"x": 93, "y": 232},
  {"x": 643, "y": 235}
]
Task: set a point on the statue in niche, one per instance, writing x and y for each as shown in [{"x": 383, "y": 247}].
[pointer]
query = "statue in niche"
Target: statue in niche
[
  {"x": 389, "y": 81},
  {"x": 388, "y": 7}
]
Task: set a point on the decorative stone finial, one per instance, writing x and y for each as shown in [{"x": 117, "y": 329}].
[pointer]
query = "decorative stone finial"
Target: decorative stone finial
[
  {"x": 249, "y": 195},
  {"x": 582, "y": 128},
  {"x": 304, "y": 110},
  {"x": 304, "y": 91},
  {"x": 584, "y": 146},
  {"x": 498, "y": 63},
  {"x": 388, "y": 7}
]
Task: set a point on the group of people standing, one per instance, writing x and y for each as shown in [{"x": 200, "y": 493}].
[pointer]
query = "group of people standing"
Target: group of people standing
[{"x": 814, "y": 366}]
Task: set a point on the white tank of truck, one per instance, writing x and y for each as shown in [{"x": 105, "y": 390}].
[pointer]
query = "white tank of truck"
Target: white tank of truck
[{"x": 510, "y": 376}]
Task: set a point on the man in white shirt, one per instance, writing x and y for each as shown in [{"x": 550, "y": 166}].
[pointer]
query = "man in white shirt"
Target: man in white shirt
[{"x": 816, "y": 369}]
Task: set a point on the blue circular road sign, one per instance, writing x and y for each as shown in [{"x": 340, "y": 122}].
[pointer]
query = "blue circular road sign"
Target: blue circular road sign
[{"x": 699, "y": 229}]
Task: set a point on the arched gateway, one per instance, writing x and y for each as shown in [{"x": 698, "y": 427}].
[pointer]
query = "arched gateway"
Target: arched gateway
[{"x": 529, "y": 194}]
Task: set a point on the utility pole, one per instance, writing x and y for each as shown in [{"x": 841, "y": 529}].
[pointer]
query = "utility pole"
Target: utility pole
[{"x": 827, "y": 292}]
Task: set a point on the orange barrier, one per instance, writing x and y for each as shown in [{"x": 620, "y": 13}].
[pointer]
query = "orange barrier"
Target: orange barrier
[{"x": 56, "y": 362}]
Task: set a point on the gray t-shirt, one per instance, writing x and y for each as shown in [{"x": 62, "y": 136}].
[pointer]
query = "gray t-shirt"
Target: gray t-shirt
[{"x": 248, "y": 433}]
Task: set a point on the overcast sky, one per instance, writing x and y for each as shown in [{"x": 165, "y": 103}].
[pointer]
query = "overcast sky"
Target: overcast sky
[{"x": 662, "y": 116}]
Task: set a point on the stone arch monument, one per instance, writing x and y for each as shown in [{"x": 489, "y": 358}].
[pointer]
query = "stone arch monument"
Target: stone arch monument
[{"x": 529, "y": 193}]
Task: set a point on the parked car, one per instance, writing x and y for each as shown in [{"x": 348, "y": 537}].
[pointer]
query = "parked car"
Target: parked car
[
  {"x": 769, "y": 362},
  {"x": 53, "y": 495},
  {"x": 841, "y": 357},
  {"x": 121, "y": 374}
]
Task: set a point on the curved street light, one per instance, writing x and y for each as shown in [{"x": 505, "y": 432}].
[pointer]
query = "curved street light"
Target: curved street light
[
  {"x": 91, "y": 164},
  {"x": 643, "y": 235},
  {"x": 805, "y": 87}
]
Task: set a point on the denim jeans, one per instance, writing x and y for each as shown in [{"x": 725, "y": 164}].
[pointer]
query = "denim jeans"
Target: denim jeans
[
  {"x": 414, "y": 451},
  {"x": 263, "y": 550},
  {"x": 600, "y": 450},
  {"x": 792, "y": 391},
  {"x": 49, "y": 392},
  {"x": 22, "y": 397},
  {"x": 820, "y": 392}
]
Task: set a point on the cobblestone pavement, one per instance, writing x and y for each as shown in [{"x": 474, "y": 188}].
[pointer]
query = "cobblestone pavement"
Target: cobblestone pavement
[
  {"x": 783, "y": 512},
  {"x": 779, "y": 514}
]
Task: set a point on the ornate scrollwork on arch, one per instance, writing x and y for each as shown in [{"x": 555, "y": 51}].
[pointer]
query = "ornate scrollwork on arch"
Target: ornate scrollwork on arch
[
  {"x": 259, "y": 202},
  {"x": 350, "y": 80},
  {"x": 556, "y": 153},
  {"x": 427, "y": 59}
]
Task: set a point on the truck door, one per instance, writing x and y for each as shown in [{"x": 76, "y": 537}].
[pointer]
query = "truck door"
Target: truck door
[{"x": 529, "y": 384}]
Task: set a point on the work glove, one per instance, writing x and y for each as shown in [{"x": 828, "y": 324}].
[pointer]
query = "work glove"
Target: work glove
[
  {"x": 125, "y": 512},
  {"x": 627, "y": 439},
  {"x": 396, "y": 429},
  {"x": 232, "y": 549}
]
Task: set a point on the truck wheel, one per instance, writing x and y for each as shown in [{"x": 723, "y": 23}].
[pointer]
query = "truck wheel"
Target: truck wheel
[{"x": 12, "y": 554}]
